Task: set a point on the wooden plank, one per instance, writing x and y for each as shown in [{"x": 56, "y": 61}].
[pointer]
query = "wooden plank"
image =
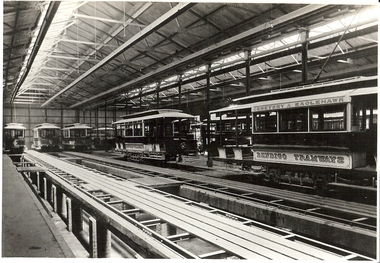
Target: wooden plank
[{"x": 31, "y": 169}]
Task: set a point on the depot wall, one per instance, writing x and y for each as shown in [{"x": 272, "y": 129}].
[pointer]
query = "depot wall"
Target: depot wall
[{"x": 31, "y": 116}]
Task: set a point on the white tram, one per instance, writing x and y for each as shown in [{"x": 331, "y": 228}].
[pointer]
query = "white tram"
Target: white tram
[{"x": 46, "y": 137}]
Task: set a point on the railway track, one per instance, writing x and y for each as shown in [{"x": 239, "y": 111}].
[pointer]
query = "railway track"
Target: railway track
[
  {"x": 224, "y": 234},
  {"x": 346, "y": 213}
]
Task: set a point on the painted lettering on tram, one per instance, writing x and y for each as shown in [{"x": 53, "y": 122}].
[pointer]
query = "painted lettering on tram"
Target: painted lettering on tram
[
  {"x": 319, "y": 158},
  {"x": 299, "y": 158},
  {"x": 271, "y": 155},
  {"x": 297, "y": 104}
]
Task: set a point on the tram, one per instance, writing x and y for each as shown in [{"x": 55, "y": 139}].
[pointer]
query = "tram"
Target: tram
[
  {"x": 77, "y": 137},
  {"x": 46, "y": 137},
  {"x": 14, "y": 138},
  {"x": 305, "y": 136},
  {"x": 103, "y": 138},
  {"x": 162, "y": 134}
]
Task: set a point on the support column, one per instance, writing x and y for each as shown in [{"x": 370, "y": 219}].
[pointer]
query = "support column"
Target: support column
[
  {"x": 53, "y": 197},
  {"x": 158, "y": 95},
  {"x": 305, "y": 47},
  {"x": 100, "y": 239},
  {"x": 105, "y": 122},
  {"x": 45, "y": 188},
  {"x": 61, "y": 116},
  {"x": 38, "y": 181},
  {"x": 64, "y": 206},
  {"x": 236, "y": 129},
  {"x": 93, "y": 238},
  {"x": 69, "y": 215},
  {"x": 247, "y": 72},
  {"x": 180, "y": 92},
  {"x": 97, "y": 116},
  {"x": 104, "y": 240},
  {"x": 74, "y": 217},
  {"x": 46, "y": 115},
  {"x": 208, "y": 75},
  {"x": 90, "y": 117},
  {"x": 126, "y": 106}
]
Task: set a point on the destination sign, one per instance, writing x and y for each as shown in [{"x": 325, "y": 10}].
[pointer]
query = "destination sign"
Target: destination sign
[
  {"x": 319, "y": 159},
  {"x": 298, "y": 104}
]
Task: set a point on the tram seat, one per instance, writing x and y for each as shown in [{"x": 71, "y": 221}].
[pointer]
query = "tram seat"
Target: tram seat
[
  {"x": 238, "y": 153},
  {"x": 222, "y": 153}
]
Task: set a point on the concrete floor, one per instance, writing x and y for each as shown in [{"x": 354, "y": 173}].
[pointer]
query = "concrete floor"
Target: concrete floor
[{"x": 27, "y": 229}]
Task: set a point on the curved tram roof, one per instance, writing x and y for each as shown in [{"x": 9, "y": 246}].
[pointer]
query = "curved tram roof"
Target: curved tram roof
[{"x": 154, "y": 114}]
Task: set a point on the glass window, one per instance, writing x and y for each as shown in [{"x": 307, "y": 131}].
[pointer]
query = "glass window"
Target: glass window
[
  {"x": 294, "y": 120},
  {"x": 129, "y": 130},
  {"x": 330, "y": 118},
  {"x": 137, "y": 129},
  {"x": 227, "y": 126},
  {"x": 266, "y": 121}
]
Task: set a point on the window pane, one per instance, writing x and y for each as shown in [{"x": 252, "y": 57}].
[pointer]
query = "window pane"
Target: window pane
[
  {"x": 293, "y": 120},
  {"x": 328, "y": 118}
]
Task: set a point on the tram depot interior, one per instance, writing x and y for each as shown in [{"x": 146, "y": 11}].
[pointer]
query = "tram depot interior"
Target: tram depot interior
[{"x": 274, "y": 105}]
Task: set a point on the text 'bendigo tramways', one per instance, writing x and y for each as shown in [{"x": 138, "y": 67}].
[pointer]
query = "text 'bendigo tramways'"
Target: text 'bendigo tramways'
[{"x": 313, "y": 159}]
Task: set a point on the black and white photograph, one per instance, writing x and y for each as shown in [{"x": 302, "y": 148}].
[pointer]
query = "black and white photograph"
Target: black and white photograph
[{"x": 243, "y": 130}]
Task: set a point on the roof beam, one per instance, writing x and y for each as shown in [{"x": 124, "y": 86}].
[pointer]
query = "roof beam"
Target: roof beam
[
  {"x": 50, "y": 13},
  {"x": 166, "y": 18},
  {"x": 310, "y": 9}
]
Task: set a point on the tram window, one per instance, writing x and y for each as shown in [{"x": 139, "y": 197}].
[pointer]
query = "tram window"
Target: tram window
[
  {"x": 129, "y": 130},
  {"x": 266, "y": 121},
  {"x": 48, "y": 133},
  {"x": 137, "y": 129},
  {"x": 328, "y": 118},
  {"x": 293, "y": 120},
  {"x": 148, "y": 129}
]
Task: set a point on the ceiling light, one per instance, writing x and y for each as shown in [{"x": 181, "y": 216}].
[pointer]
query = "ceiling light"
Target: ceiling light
[{"x": 348, "y": 61}]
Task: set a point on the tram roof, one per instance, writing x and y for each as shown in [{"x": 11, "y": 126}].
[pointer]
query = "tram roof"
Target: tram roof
[
  {"x": 46, "y": 126},
  {"x": 14, "y": 125},
  {"x": 154, "y": 114},
  {"x": 76, "y": 126},
  {"x": 347, "y": 94},
  {"x": 347, "y": 84}
]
